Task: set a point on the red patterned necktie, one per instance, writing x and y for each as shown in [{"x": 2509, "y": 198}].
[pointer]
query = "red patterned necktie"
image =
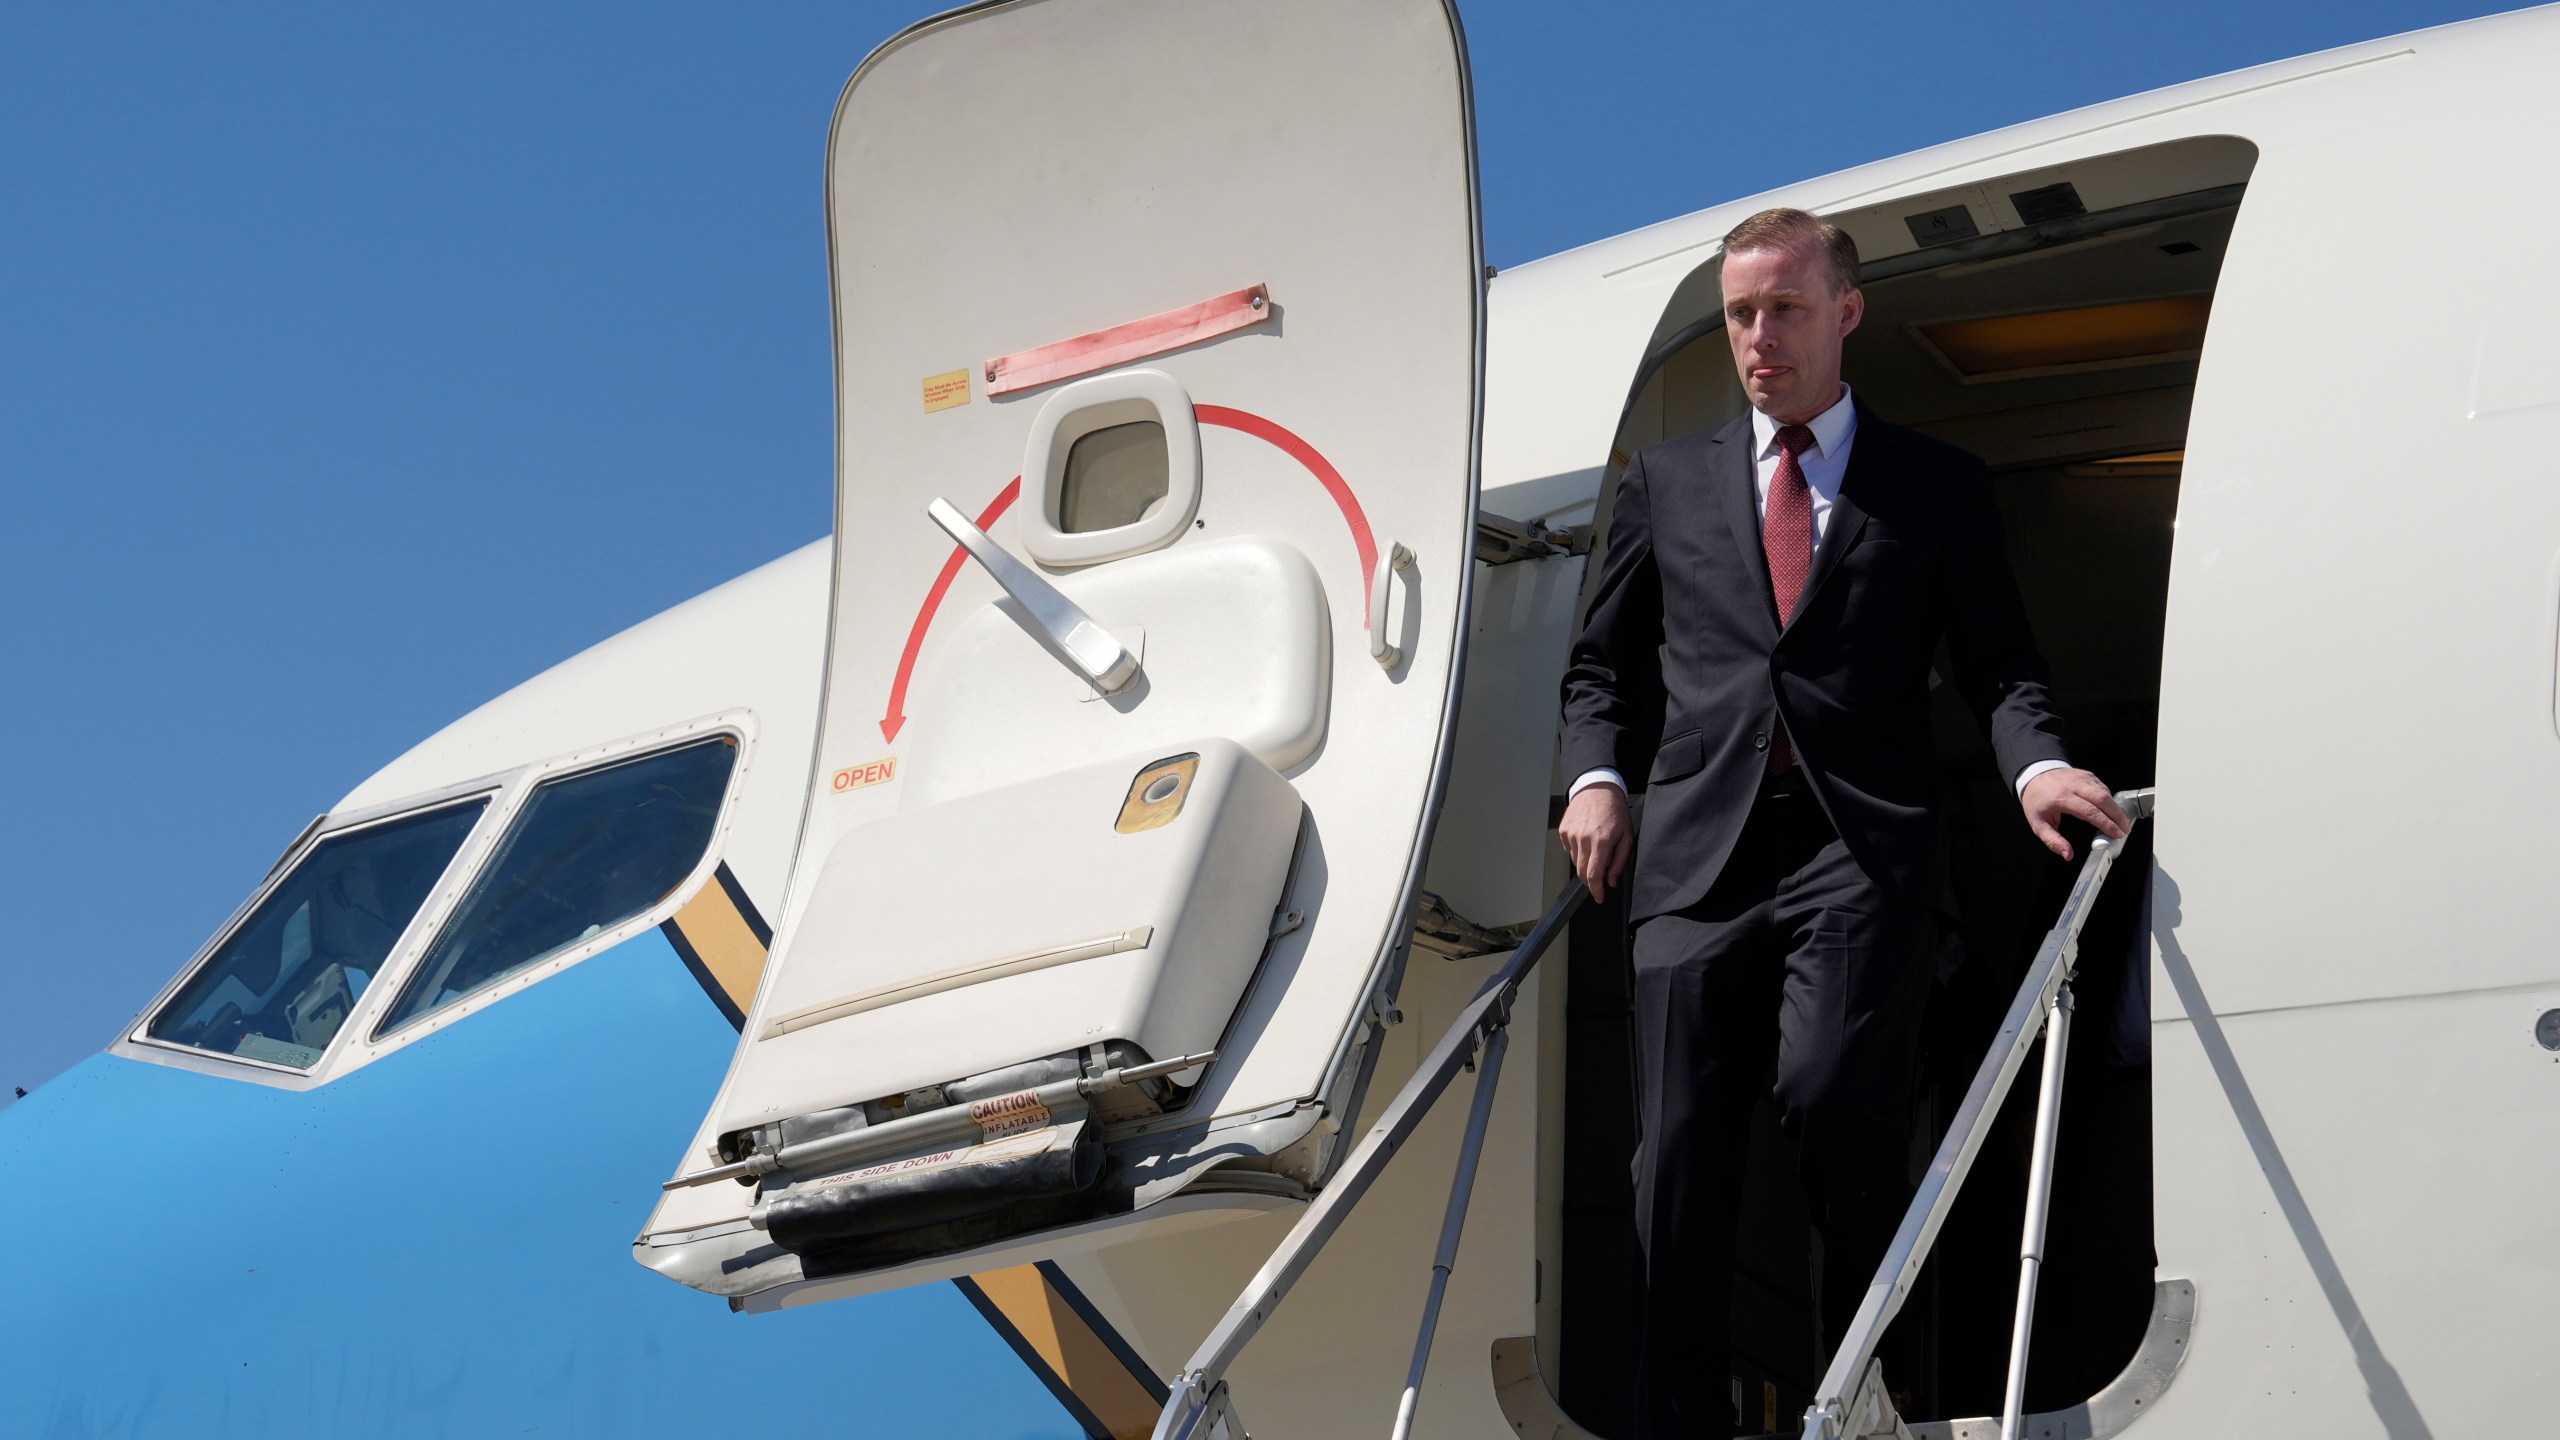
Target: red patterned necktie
[{"x": 1786, "y": 536}]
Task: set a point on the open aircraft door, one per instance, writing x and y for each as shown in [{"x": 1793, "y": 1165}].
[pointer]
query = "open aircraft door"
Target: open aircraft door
[{"x": 1159, "y": 330}]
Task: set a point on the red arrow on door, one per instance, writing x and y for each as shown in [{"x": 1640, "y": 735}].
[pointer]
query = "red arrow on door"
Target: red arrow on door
[
  {"x": 1288, "y": 443},
  {"x": 896, "y": 719},
  {"x": 1245, "y": 421}
]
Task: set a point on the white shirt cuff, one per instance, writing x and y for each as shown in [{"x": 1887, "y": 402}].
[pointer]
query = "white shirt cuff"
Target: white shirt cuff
[
  {"x": 1602, "y": 776},
  {"x": 2037, "y": 769}
]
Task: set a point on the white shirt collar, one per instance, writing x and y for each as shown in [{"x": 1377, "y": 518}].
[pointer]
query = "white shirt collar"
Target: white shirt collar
[{"x": 1831, "y": 429}]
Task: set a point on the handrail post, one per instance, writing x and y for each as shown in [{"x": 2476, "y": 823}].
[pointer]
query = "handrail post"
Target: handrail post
[
  {"x": 1201, "y": 1385},
  {"x": 1461, "y": 1189},
  {"x": 2057, "y": 1042}
]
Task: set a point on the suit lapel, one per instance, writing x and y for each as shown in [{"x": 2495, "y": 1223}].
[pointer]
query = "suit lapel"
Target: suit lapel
[
  {"x": 1848, "y": 516},
  {"x": 1737, "y": 492}
]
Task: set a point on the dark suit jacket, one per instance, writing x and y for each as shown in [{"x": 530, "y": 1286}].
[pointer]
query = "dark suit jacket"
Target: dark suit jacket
[{"x": 1682, "y": 641}]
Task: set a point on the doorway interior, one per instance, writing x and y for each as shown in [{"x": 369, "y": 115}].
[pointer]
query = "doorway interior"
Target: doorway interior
[{"x": 2065, "y": 350}]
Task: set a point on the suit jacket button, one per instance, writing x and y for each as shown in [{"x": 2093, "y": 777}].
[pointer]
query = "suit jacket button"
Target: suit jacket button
[{"x": 1760, "y": 741}]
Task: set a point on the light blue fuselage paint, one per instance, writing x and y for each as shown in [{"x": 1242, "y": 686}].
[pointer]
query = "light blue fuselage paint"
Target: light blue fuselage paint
[{"x": 436, "y": 1245}]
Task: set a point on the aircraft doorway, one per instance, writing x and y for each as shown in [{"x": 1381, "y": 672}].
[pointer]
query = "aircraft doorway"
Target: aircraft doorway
[{"x": 2060, "y": 339}]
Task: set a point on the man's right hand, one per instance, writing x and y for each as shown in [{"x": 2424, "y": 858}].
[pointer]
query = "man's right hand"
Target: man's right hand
[{"x": 1598, "y": 837}]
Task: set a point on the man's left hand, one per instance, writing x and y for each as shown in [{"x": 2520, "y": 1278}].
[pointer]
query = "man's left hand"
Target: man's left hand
[{"x": 2075, "y": 793}]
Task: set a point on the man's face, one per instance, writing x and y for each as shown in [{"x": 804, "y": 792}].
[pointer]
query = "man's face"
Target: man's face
[{"x": 1786, "y": 326}]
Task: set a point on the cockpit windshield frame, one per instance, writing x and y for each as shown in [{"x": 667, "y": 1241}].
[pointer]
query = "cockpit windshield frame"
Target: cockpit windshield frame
[{"x": 503, "y": 796}]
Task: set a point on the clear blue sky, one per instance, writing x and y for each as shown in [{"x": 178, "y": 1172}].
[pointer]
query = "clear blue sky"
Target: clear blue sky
[{"x": 356, "y": 362}]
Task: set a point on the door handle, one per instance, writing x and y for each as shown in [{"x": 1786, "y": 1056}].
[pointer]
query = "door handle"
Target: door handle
[
  {"x": 1092, "y": 650},
  {"x": 1381, "y": 649}
]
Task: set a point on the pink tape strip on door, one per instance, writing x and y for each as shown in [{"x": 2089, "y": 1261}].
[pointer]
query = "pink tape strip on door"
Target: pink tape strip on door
[{"x": 1136, "y": 340}]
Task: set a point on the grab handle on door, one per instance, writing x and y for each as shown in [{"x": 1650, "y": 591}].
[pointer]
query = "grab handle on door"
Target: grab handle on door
[
  {"x": 1092, "y": 650},
  {"x": 1382, "y": 581}
]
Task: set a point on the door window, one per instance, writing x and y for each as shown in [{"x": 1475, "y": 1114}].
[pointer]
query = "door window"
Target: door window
[{"x": 1115, "y": 476}]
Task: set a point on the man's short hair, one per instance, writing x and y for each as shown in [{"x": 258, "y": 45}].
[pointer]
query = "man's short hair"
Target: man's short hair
[{"x": 1784, "y": 229}]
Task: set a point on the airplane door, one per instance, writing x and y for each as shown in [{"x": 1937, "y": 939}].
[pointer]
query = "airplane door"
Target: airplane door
[{"x": 1158, "y": 349}]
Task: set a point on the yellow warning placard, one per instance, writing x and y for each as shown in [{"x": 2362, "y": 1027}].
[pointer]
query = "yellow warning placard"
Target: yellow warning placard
[{"x": 943, "y": 391}]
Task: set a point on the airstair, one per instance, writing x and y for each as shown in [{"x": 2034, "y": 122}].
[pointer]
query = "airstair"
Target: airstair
[{"x": 1851, "y": 1401}]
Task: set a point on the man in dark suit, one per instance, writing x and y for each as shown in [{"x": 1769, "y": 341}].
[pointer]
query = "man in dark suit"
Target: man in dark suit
[{"x": 1772, "y": 598}]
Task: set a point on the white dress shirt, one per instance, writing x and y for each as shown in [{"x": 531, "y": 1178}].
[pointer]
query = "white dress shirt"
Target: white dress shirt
[{"x": 1834, "y": 431}]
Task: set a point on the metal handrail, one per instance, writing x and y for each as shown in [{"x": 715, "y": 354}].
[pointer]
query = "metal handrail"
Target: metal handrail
[
  {"x": 1199, "y": 1406},
  {"x": 1842, "y": 1402}
]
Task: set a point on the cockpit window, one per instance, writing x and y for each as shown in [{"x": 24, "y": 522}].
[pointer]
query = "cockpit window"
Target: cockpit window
[
  {"x": 278, "y": 989},
  {"x": 587, "y": 852}
]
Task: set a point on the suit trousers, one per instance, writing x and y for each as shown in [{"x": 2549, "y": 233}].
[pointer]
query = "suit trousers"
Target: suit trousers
[{"x": 1794, "y": 965}]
